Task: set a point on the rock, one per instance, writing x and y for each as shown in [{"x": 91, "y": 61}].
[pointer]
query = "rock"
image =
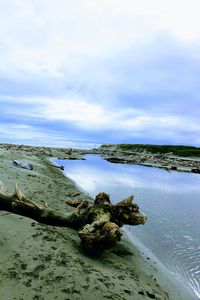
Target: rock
[
  {"x": 173, "y": 168},
  {"x": 23, "y": 165},
  {"x": 150, "y": 295},
  {"x": 195, "y": 171},
  {"x": 116, "y": 160}
]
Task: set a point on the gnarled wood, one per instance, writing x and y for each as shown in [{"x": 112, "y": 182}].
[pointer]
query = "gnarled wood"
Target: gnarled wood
[
  {"x": 105, "y": 220},
  {"x": 98, "y": 224},
  {"x": 18, "y": 204}
]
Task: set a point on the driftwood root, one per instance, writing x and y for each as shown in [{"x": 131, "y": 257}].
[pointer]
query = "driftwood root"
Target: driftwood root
[{"x": 98, "y": 223}]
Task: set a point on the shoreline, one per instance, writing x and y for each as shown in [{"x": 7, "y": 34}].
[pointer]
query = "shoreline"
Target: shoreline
[
  {"x": 39, "y": 260},
  {"x": 163, "y": 273},
  {"x": 148, "y": 159},
  {"x": 167, "y": 278}
]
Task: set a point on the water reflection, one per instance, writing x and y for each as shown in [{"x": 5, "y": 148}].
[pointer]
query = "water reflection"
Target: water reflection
[{"x": 171, "y": 201}]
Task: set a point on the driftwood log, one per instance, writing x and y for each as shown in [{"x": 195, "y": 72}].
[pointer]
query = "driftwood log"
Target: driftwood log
[{"x": 98, "y": 223}]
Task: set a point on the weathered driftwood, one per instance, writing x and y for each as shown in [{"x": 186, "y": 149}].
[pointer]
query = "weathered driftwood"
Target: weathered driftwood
[
  {"x": 18, "y": 204},
  {"x": 98, "y": 223}
]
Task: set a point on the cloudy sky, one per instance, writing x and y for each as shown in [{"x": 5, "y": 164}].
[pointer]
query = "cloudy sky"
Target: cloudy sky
[{"x": 86, "y": 72}]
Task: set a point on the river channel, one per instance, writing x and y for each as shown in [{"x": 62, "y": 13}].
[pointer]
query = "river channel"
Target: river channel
[{"x": 170, "y": 199}]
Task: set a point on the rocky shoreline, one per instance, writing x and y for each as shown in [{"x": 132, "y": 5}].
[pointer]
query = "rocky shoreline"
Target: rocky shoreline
[
  {"x": 165, "y": 161},
  {"x": 44, "y": 262}
]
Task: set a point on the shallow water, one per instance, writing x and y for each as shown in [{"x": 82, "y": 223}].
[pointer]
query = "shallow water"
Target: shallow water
[{"x": 170, "y": 199}]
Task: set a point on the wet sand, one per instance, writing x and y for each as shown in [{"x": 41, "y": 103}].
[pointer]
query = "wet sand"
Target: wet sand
[{"x": 44, "y": 262}]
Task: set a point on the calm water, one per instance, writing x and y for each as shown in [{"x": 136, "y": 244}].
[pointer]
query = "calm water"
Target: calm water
[{"x": 170, "y": 199}]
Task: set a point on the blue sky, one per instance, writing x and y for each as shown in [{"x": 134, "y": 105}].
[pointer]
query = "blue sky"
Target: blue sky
[{"x": 82, "y": 73}]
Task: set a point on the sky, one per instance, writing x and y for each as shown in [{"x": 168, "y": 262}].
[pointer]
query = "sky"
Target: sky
[{"x": 86, "y": 72}]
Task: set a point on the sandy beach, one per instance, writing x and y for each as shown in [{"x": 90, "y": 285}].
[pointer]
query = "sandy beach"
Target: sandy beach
[{"x": 42, "y": 262}]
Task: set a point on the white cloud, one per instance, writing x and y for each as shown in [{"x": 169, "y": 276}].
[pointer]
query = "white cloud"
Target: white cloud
[
  {"x": 93, "y": 118},
  {"x": 97, "y": 50},
  {"x": 55, "y": 38},
  {"x": 35, "y": 136},
  {"x": 23, "y": 132}
]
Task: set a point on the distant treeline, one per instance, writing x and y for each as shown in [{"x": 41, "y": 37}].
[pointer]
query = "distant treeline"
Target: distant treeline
[{"x": 175, "y": 150}]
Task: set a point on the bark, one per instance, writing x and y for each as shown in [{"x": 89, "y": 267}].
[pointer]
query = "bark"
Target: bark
[
  {"x": 98, "y": 223},
  {"x": 18, "y": 204}
]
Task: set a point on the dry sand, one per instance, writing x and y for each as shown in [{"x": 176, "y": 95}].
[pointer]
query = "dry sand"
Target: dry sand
[{"x": 44, "y": 262}]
